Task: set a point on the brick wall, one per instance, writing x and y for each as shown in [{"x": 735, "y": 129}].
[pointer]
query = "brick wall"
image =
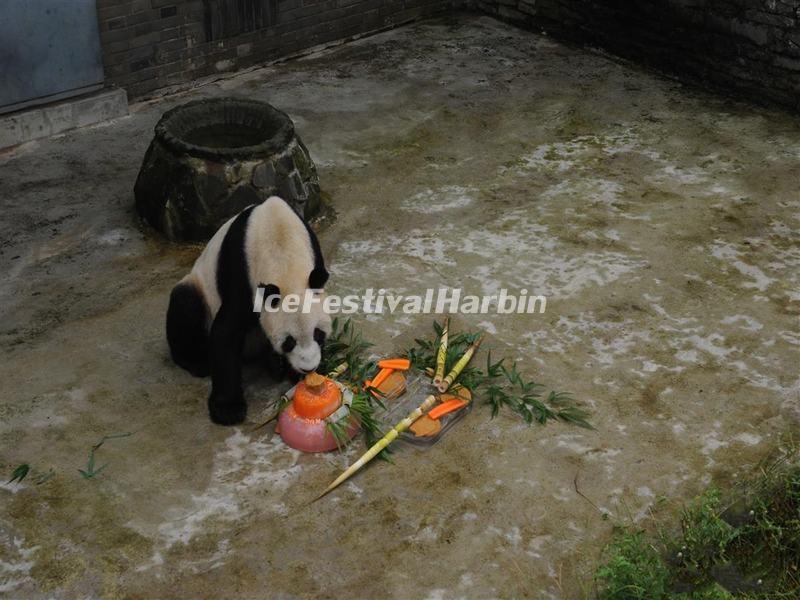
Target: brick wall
[
  {"x": 150, "y": 44},
  {"x": 750, "y": 46}
]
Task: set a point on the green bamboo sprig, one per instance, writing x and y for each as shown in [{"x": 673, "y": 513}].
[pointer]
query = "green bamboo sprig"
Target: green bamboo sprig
[
  {"x": 362, "y": 410},
  {"x": 19, "y": 473},
  {"x": 339, "y": 430},
  {"x": 345, "y": 344},
  {"x": 497, "y": 384},
  {"x": 525, "y": 399},
  {"x": 380, "y": 445},
  {"x": 443, "y": 385},
  {"x": 91, "y": 471}
]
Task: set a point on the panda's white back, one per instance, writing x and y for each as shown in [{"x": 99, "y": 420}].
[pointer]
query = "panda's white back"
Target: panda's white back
[{"x": 277, "y": 249}]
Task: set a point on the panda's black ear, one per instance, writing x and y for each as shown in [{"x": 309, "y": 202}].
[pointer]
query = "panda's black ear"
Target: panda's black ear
[
  {"x": 317, "y": 278},
  {"x": 272, "y": 293}
]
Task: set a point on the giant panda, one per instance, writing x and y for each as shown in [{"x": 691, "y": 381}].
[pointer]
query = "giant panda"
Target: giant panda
[{"x": 211, "y": 316}]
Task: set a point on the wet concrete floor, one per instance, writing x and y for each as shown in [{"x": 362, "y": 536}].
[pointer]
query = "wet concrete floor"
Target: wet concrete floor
[{"x": 660, "y": 222}]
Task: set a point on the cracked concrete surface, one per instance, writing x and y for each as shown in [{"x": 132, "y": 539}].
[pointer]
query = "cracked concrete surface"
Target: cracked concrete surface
[{"x": 662, "y": 224}]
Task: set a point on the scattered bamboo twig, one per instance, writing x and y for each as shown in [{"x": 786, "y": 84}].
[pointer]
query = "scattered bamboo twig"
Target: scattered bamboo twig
[
  {"x": 582, "y": 495},
  {"x": 90, "y": 470},
  {"x": 380, "y": 445},
  {"x": 280, "y": 405}
]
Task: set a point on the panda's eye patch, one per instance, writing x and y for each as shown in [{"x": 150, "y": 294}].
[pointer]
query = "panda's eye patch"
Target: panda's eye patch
[
  {"x": 319, "y": 336},
  {"x": 288, "y": 344}
]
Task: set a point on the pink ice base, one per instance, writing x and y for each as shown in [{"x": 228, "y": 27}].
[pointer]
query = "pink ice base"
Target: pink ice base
[{"x": 308, "y": 435}]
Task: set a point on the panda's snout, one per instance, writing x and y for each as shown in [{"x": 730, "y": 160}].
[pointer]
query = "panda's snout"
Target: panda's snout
[{"x": 305, "y": 359}]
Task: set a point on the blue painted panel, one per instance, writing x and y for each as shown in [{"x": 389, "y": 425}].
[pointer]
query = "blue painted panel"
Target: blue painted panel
[{"x": 48, "y": 49}]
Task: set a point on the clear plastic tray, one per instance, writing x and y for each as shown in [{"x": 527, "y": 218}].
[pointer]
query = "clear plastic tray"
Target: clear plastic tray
[{"x": 418, "y": 387}]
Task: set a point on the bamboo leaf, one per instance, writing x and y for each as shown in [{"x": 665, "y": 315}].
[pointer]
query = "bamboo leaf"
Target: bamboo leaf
[{"x": 19, "y": 473}]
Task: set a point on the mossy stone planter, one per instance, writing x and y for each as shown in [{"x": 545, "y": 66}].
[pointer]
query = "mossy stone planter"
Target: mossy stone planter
[{"x": 209, "y": 159}]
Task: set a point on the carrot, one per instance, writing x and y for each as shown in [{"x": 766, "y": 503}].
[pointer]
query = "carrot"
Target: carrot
[
  {"x": 446, "y": 408},
  {"x": 379, "y": 378},
  {"x": 398, "y": 364}
]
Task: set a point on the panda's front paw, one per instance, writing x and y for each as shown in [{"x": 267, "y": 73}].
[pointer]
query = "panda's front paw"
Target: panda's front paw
[
  {"x": 227, "y": 410},
  {"x": 277, "y": 367}
]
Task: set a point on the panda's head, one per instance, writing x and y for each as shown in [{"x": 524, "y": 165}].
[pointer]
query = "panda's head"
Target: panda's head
[{"x": 297, "y": 335}]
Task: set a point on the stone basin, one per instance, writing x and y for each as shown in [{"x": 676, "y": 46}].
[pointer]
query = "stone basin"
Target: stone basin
[{"x": 211, "y": 158}]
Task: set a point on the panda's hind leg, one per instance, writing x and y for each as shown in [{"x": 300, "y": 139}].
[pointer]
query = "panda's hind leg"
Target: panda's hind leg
[{"x": 187, "y": 333}]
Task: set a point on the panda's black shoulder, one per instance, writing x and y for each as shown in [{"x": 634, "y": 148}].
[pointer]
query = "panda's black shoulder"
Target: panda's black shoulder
[
  {"x": 319, "y": 261},
  {"x": 319, "y": 275},
  {"x": 233, "y": 280}
]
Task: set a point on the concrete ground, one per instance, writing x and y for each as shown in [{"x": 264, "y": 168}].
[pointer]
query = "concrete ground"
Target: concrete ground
[{"x": 661, "y": 222}]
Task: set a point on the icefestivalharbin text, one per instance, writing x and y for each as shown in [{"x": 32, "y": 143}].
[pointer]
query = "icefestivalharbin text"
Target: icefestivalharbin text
[{"x": 432, "y": 301}]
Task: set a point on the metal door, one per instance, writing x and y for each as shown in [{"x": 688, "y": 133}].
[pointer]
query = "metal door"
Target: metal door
[{"x": 49, "y": 49}]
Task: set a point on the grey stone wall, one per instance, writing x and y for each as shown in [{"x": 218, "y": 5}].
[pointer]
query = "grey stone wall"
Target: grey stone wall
[
  {"x": 151, "y": 44},
  {"x": 749, "y": 46}
]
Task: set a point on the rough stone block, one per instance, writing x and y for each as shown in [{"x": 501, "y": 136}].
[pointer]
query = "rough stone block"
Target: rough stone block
[
  {"x": 528, "y": 7},
  {"x": 212, "y": 158},
  {"x": 756, "y": 33},
  {"x": 512, "y": 14},
  {"x": 792, "y": 64},
  {"x": 766, "y": 18}
]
